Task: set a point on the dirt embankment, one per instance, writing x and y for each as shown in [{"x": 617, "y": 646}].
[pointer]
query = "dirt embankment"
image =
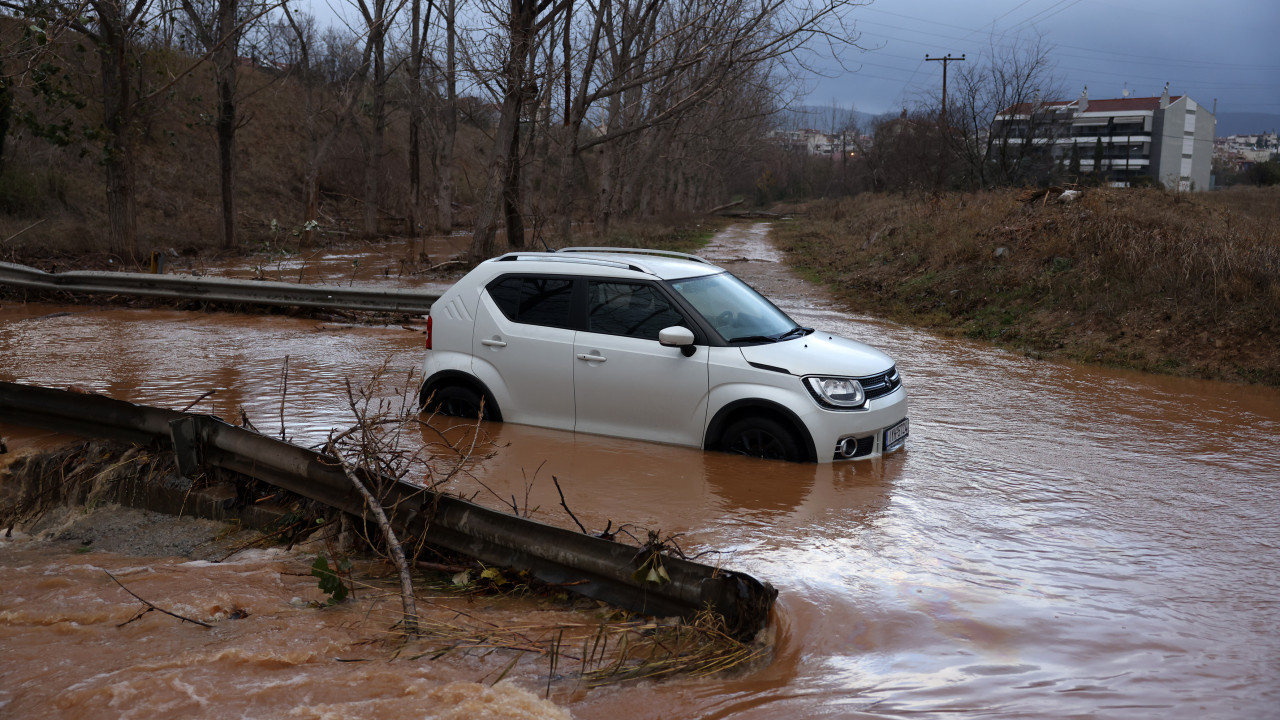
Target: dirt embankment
[{"x": 1177, "y": 283}]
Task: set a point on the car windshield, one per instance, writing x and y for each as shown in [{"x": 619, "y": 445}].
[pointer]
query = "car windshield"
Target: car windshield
[{"x": 735, "y": 310}]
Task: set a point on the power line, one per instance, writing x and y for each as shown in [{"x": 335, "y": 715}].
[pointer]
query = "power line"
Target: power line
[
  {"x": 1100, "y": 52},
  {"x": 1042, "y": 12}
]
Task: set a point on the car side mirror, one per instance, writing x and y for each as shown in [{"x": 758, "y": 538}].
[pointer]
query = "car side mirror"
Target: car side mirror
[{"x": 677, "y": 336}]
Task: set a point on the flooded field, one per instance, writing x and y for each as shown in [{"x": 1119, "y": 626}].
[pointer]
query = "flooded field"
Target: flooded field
[{"x": 1056, "y": 541}]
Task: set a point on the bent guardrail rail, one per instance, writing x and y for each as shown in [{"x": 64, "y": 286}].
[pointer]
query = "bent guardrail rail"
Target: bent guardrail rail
[
  {"x": 587, "y": 565},
  {"x": 215, "y": 289}
]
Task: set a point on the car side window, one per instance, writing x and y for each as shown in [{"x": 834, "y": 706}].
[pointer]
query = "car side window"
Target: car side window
[
  {"x": 534, "y": 300},
  {"x": 632, "y": 309}
]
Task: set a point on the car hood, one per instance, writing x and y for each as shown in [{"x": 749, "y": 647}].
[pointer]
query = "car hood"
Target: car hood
[{"x": 820, "y": 353}]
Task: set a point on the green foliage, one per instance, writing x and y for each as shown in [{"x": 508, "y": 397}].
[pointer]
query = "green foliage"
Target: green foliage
[
  {"x": 1264, "y": 173},
  {"x": 652, "y": 571},
  {"x": 330, "y": 582}
]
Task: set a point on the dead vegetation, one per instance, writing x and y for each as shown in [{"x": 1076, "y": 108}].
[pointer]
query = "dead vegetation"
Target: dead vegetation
[
  {"x": 1179, "y": 283},
  {"x": 362, "y": 560}
]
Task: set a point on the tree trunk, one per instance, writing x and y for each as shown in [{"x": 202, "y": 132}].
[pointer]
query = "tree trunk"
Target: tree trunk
[
  {"x": 511, "y": 193},
  {"x": 444, "y": 164},
  {"x": 482, "y": 241},
  {"x": 498, "y": 177},
  {"x": 444, "y": 175},
  {"x": 226, "y": 129},
  {"x": 227, "y": 161},
  {"x": 117, "y": 111},
  {"x": 415, "y": 167},
  {"x": 372, "y": 143},
  {"x": 6, "y": 112},
  {"x": 567, "y": 185},
  {"x": 372, "y": 169}
]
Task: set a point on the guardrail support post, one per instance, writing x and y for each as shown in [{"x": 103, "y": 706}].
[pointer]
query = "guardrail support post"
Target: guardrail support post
[{"x": 187, "y": 442}]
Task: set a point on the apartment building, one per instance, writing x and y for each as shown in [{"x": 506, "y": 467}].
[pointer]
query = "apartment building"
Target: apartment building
[{"x": 1166, "y": 138}]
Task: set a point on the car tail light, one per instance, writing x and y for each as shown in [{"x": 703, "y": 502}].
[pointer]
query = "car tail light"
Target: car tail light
[{"x": 428, "y": 332}]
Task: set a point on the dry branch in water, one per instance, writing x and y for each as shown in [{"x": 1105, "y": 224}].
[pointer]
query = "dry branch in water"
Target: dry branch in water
[
  {"x": 151, "y": 607},
  {"x": 368, "y": 442}
]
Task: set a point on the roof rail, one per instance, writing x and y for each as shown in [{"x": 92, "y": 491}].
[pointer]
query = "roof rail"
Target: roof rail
[
  {"x": 551, "y": 257},
  {"x": 636, "y": 251}
]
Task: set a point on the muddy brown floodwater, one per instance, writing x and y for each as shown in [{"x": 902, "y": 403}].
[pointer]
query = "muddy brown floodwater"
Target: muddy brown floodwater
[{"x": 1056, "y": 540}]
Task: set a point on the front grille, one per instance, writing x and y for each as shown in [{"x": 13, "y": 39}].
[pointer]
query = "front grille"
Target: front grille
[{"x": 880, "y": 385}]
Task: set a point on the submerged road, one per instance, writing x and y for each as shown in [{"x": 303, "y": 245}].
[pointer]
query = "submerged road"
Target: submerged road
[{"x": 1056, "y": 540}]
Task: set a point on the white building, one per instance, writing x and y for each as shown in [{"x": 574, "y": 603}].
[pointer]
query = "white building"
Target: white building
[{"x": 1167, "y": 138}]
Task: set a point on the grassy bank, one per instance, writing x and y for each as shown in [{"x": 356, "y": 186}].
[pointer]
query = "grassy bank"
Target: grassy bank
[{"x": 1178, "y": 283}]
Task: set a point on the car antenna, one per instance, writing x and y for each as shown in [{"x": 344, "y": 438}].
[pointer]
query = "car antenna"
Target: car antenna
[{"x": 544, "y": 243}]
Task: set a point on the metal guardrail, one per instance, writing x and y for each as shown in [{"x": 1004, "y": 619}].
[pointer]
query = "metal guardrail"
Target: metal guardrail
[
  {"x": 591, "y": 566},
  {"x": 214, "y": 289}
]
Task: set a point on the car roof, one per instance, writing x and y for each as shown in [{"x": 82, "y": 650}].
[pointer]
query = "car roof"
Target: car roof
[{"x": 620, "y": 262}]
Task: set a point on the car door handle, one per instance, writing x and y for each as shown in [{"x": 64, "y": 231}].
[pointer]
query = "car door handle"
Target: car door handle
[
  {"x": 493, "y": 343},
  {"x": 591, "y": 358}
]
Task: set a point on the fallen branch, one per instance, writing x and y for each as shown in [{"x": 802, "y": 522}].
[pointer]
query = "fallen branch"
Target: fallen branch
[
  {"x": 23, "y": 230},
  {"x": 198, "y": 400},
  {"x": 151, "y": 607},
  {"x": 564, "y": 505},
  {"x": 393, "y": 543},
  {"x": 447, "y": 263},
  {"x": 726, "y": 206}
]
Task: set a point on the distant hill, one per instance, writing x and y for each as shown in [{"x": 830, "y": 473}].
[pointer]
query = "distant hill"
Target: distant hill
[
  {"x": 1246, "y": 123},
  {"x": 825, "y": 118}
]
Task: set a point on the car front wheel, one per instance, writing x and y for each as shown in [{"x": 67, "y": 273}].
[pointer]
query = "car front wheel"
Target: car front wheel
[{"x": 760, "y": 437}]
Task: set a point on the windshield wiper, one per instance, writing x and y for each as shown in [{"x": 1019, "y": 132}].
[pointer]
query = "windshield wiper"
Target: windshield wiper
[
  {"x": 754, "y": 338},
  {"x": 795, "y": 332}
]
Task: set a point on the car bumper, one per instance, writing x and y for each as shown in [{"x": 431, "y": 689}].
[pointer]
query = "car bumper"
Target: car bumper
[{"x": 858, "y": 434}]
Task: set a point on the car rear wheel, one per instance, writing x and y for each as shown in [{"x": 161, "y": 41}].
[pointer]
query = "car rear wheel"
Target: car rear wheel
[
  {"x": 761, "y": 437},
  {"x": 458, "y": 401}
]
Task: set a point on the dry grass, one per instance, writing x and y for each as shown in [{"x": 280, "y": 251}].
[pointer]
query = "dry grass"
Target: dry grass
[{"x": 1170, "y": 282}]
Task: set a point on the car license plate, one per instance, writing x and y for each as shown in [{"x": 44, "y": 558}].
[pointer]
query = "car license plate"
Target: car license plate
[{"x": 896, "y": 434}]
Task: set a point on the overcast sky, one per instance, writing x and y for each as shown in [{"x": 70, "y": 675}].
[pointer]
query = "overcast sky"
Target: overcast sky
[
  {"x": 1223, "y": 49},
  {"x": 1227, "y": 50}
]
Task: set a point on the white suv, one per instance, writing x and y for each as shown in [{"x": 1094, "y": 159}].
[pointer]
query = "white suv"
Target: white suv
[{"x": 655, "y": 346}]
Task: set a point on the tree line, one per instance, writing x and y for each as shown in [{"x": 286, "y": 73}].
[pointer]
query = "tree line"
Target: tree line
[{"x": 591, "y": 110}]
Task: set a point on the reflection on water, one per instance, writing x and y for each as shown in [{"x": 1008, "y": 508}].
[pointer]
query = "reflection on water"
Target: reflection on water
[{"x": 1055, "y": 541}]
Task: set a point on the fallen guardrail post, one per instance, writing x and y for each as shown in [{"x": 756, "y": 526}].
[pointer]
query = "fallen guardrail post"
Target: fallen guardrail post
[
  {"x": 215, "y": 289},
  {"x": 597, "y": 568}
]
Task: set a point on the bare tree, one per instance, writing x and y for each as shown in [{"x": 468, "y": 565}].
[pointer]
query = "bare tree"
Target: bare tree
[
  {"x": 520, "y": 22},
  {"x": 378, "y": 16},
  {"x": 112, "y": 26},
  {"x": 447, "y": 122},
  {"x": 432, "y": 99},
  {"x": 219, "y": 26},
  {"x": 642, "y": 65},
  {"x": 419, "y": 25},
  {"x": 333, "y": 81},
  {"x": 1004, "y": 114},
  {"x": 911, "y": 153}
]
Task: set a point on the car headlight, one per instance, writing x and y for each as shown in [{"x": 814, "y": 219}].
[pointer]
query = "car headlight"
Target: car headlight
[{"x": 837, "y": 391}]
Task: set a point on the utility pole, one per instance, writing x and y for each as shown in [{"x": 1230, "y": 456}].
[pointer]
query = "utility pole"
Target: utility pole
[{"x": 945, "y": 61}]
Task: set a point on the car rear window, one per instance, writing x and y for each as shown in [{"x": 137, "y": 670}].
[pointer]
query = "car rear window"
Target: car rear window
[{"x": 534, "y": 300}]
